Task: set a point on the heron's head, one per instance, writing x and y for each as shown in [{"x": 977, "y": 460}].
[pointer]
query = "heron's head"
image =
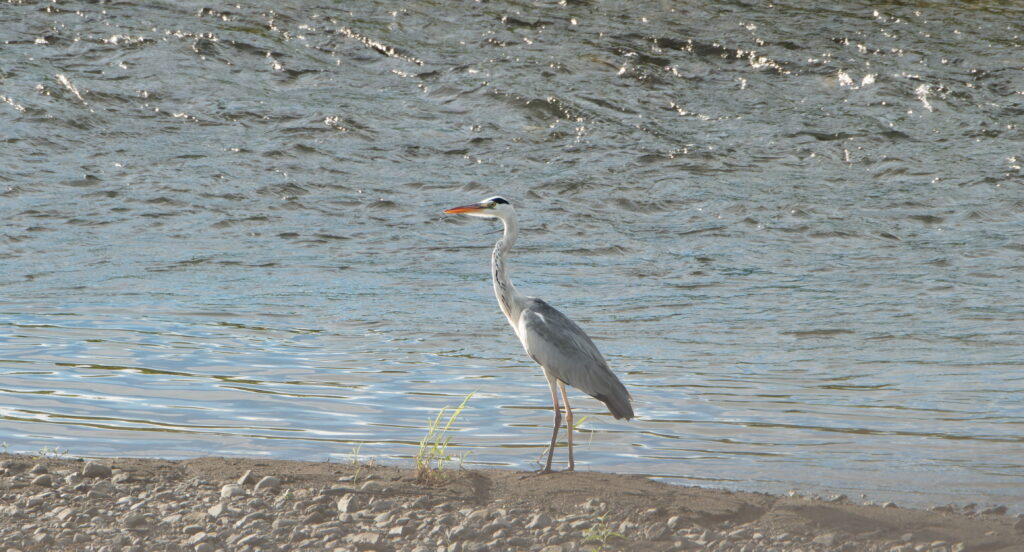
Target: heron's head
[{"x": 492, "y": 207}]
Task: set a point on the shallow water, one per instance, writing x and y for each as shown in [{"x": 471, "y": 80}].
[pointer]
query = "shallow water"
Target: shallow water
[{"x": 795, "y": 231}]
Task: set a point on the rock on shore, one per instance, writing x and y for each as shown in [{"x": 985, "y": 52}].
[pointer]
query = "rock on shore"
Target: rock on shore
[{"x": 248, "y": 505}]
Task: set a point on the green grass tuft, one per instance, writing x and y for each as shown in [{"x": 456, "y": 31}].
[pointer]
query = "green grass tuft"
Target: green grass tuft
[
  {"x": 52, "y": 452},
  {"x": 433, "y": 452},
  {"x": 599, "y": 534}
]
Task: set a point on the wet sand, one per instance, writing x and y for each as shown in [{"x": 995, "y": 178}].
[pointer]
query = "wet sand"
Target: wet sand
[{"x": 240, "y": 504}]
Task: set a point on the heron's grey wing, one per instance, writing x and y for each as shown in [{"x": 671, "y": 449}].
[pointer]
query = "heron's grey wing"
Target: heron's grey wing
[{"x": 564, "y": 350}]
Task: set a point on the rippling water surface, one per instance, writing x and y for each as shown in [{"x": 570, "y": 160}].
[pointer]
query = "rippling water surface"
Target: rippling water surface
[{"x": 795, "y": 229}]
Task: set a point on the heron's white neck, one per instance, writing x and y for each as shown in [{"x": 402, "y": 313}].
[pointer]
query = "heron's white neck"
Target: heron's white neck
[{"x": 510, "y": 300}]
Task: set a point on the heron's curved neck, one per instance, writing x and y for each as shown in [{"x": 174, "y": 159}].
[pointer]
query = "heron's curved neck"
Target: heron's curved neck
[{"x": 510, "y": 300}]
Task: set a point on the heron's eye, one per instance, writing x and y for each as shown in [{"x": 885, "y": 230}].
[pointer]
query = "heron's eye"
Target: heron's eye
[{"x": 492, "y": 205}]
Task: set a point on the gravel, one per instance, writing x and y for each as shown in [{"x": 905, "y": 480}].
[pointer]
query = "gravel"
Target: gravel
[{"x": 64, "y": 506}]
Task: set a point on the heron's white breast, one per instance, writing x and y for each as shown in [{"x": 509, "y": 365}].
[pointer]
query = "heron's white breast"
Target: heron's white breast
[{"x": 520, "y": 329}]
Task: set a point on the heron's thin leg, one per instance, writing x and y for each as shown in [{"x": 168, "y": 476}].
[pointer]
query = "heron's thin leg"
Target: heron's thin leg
[
  {"x": 558, "y": 420},
  {"x": 568, "y": 423}
]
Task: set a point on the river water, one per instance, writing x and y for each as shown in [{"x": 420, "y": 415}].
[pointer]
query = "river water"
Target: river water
[{"x": 795, "y": 229}]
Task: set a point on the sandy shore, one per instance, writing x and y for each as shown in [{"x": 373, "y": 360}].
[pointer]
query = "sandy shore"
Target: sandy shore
[{"x": 230, "y": 504}]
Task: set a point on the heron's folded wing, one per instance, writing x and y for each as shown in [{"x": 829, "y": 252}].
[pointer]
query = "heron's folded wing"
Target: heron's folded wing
[{"x": 561, "y": 346}]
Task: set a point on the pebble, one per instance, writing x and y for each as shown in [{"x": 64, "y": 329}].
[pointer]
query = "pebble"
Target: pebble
[
  {"x": 656, "y": 531},
  {"x": 135, "y": 521},
  {"x": 477, "y": 515},
  {"x": 737, "y": 533},
  {"x": 104, "y": 488},
  {"x": 44, "y": 480},
  {"x": 284, "y": 523},
  {"x": 539, "y": 521},
  {"x": 675, "y": 523},
  {"x": 314, "y": 517},
  {"x": 64, "y": 513},
  {"x": 364, "y": 540},
  {"x": 268, "y": 483},
  {"x": 494, "y": 527},
  {"x": 38, "y": 469},
  {"x": 350, "y": 503},
  {"x": 250, "y": 518},
  {"x": 216, "y": 510},
  {"x": 338, "y": 491},
  {"x": 248, "y": 478},
  {"x": 197, "y": 538},
  {"x": 231, "y": 490},
  {"x": 461, "y": 532},
  {"x": 382, "y": 520},
  {"x": 828, "y": 539},
  {"x": 251, "y": 540},
  {"x": 372, "y": 487},
  {"x": 96, "y": 470}
]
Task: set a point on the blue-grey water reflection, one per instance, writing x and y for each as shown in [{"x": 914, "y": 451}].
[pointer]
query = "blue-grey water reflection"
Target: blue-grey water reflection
[{"x": 795, "y": 230}]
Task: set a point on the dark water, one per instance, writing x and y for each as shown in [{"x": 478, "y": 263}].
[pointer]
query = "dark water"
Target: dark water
[{"x": 795, "y": 229}]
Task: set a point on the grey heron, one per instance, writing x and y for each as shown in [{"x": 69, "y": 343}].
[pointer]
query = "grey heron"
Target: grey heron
[{"x": 563, "y": 350}]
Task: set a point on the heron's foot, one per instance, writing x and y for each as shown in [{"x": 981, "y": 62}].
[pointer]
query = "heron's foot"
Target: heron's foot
[{"x": 544, "y": 471}]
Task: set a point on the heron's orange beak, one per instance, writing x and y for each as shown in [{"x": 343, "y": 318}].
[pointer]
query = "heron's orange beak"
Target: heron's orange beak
[{"x": 464, "y": 209}]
